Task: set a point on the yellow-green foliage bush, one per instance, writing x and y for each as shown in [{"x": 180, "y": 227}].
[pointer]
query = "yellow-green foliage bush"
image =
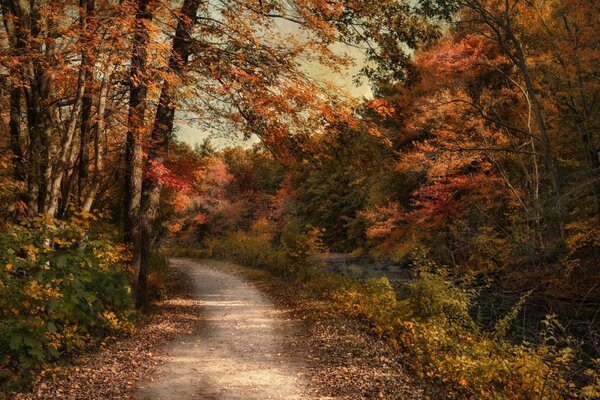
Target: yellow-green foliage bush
[
  {"x": 256, "y": 248},
  {"x": 60, "y": 285},
  {"x": 373, "y": 302},
  {"x": 301, "y": 248},
  {"x": 157, "y": 273},
  {"x": 247, "y": 249},
  {"x": 454, "y": 358}
]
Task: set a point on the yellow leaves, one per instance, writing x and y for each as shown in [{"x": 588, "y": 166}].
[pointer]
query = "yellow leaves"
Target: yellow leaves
[
  {"x": 8, "y": 267},
  {"x": 113, "y": 321},
  {"x": 61, "y": 242},
  {"x": 88, "y": 215},
  {"x": 111, "y": 318},
  {"x": 41, "y": 292},
  {"x": 583, "y": 233}
]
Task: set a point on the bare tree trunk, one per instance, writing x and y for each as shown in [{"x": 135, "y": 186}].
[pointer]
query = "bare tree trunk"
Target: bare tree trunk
[
  {"x": 67, "y": 141},
  {"x": 28, "y": 27},
  {"x": 17, "y": 21},
  {"x": 15, "y": 133},
  {"x": 161, "y": 135}
]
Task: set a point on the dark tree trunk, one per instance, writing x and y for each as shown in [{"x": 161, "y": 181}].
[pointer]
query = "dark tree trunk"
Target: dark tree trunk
[
  {"x": 87, "y": 7},
  {"x": 133, "y": 150},
  {"x": 15, "y": 133},
  {"x": 15, "y": 96},
  {"x": 161, "y": 135}
]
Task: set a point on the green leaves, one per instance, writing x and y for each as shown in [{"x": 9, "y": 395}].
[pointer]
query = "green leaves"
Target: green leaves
[
  {"x": 15, "y": 342},
  {"x": 60, "y": 290}
]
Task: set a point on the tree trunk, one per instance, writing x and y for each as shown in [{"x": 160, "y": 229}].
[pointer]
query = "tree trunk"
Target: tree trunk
[
  {"x": 15, "y": 98},
  {"x": 19, "y": 24},
  {"x": 541, "y": 123},
  {"x": 86, "y": 109},
  {"x": 161, "y": 134},
  {"x": 15, "y": 133},
  {"x": 136, "y": 123},
  {"x": 67, "y": 142}
]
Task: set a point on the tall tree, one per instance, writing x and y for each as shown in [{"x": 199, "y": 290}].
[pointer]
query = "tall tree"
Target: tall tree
[
  {"x": 136, "y": 124},
  {"x": 159, "y": 140}
]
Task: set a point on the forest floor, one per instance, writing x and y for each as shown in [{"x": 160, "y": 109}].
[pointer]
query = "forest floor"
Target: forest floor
[{"x": 228, "y": 332}]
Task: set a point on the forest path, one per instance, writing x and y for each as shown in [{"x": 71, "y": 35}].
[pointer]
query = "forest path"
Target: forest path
[{"x": 238, "y": 351}]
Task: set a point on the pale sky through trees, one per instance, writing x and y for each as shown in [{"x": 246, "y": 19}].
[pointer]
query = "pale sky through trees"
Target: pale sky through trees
[{"x": 190, "y": 134}]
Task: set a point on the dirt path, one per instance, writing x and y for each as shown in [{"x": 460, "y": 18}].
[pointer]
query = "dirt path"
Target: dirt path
[{"x": 238, "y": 352}]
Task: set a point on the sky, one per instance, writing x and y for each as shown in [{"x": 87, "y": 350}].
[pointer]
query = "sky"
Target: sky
[{"x": 192, "y": 135}]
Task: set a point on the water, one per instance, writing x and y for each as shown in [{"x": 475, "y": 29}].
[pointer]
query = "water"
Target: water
[{"x": 362, "y": 268}]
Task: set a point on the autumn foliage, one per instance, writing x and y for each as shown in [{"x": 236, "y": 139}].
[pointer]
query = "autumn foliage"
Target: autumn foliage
[{"x": 480, "y": 144}]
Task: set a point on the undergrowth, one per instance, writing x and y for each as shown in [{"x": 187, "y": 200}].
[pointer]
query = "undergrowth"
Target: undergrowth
[{"x": 62, "y": 285}]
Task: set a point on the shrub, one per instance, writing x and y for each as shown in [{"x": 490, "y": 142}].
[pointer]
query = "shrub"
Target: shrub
[
  {"x": 158, "y": 266},
  {"x": 297, "y": 251},
  {"x": 373, "y": 302},
  {"x": 247, "y": 249},
  {"x": 60, "y": 285},
  {"x": 445, "y": 347},
  {"x": 433, "y": 298},
  {"x": 301, "y": 248}
]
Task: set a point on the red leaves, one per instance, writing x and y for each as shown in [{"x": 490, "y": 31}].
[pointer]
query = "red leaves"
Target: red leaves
[
  {"x": 384, "y": 220},
  {"x": 160, "y": 173},
  {"x": 448, "y": 147},
  {"x": 445, "y": 198}
]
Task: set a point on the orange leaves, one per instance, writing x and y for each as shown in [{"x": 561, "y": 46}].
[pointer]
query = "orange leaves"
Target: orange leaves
[
  {"x": 382, "y": 107},
  {"x": 384, "y": 220},
  {"x": 174, "y": 227},
  {"x": 200, "y": 218},
  {"x": 451, "y": 152},
  {"x": 454, "y": 59},
  {"x": 181, "y": 202}
]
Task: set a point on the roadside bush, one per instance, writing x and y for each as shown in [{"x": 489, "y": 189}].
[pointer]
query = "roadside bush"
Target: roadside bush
[
  {"x": 248, "y": 249},
  {"x": 158, "y": 266},
  {"x": 373, "y": 302},
  {"x": 447, "y": 350},
  {"x": 302, "y": 248},
  {"x": 296, "y": 253},
  {"x": 61, "y": 284}
]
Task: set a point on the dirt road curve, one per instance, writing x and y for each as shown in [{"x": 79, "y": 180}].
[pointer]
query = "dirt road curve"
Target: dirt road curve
[{"x": 238, "y": 351}]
